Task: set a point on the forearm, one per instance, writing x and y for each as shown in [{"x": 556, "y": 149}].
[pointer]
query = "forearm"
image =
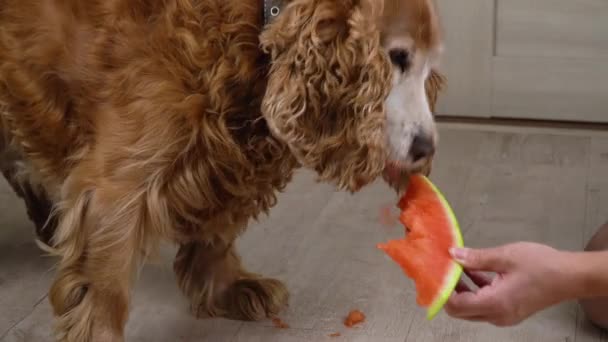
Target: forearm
[{"x": 590, "y": 274}]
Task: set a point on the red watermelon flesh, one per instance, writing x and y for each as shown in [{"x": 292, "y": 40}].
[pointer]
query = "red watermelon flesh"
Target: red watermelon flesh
[{"x": 432, "y": 229}]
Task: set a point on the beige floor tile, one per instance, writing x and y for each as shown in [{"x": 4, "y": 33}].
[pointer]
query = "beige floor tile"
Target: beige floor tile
[{"x": 504, "y": 184}]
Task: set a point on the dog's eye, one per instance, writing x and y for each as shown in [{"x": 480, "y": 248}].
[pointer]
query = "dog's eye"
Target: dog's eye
[{"x": 400, "y": 58}]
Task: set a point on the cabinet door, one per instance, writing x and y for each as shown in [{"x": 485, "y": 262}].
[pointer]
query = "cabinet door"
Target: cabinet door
[{"x": 530, "y": 59}]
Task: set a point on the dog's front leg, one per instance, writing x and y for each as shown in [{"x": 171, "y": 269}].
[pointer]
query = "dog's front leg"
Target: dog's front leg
[
  {"x": 99, "y": 239},
  {"x": 212, "y": 276}
]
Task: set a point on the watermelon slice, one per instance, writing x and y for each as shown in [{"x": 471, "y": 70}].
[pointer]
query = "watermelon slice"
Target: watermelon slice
[{"x": 432, "y": 229}]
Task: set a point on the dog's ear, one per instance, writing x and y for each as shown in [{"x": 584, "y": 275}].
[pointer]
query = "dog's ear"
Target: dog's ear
[
  {"x": 434, "y": 85},
  {"x": 319, "y": 21},
  {"x": 327, "y": 84}
]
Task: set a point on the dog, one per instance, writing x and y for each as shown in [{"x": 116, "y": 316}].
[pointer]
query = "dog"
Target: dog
[{"x": 128, "y": 122}]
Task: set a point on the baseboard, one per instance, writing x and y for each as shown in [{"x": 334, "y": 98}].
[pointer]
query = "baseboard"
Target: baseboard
[{"x": 524, "y": 123}]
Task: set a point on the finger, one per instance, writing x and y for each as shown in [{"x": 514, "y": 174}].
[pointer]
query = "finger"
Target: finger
[
  {"x": 470, "y": 304},
  {"x": 479, "y": 278},
  {"x": 477, "y": 319},
  {"x": 462, "y": 287},
  {"x": 455, "y": 309},
  {"x": 485, "y": 319},
  {"x": 491, "y": 259}
]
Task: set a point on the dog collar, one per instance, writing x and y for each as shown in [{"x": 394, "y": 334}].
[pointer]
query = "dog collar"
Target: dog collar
[{"x": 272, "y": 9}]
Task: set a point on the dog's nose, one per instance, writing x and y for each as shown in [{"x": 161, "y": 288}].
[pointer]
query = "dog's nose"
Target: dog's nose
[{"x": 422, "y": 147}]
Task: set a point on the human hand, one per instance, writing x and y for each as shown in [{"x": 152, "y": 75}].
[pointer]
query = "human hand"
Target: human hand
[{"x": 529, "y": 277}]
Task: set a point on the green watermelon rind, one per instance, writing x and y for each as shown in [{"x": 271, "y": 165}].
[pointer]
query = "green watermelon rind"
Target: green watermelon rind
[{"x": 453, "y": 276}]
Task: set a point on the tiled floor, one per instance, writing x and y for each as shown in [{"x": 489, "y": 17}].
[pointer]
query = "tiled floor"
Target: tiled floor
[{"x": 506, "y": 184}]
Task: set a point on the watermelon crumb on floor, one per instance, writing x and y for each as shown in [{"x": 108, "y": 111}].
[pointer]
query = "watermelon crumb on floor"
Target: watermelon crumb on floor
[
  {"x": 278, "y": 323},
  {"x": 354, "y": 317},
  {"x": 388, "y": 218}
]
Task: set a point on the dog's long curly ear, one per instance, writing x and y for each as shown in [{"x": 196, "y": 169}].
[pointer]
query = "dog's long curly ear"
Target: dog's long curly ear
[
  {"x": 327, "y": 85},
  {"x": 434, "y": 85},
  {"x": 287, "y": 28}
]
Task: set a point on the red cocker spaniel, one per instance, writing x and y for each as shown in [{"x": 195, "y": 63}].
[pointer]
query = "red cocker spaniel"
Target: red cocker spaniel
[{"x": 128, "y": 122}]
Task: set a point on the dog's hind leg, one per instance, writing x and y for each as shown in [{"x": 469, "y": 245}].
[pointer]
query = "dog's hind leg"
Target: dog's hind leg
[
  {"x": 18, "y": 174},
  {"x": 39, "y": 209},
  {"x": 212, "y": 276}
]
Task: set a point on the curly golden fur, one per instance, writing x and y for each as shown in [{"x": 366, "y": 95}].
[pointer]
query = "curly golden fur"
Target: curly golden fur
[
  {"x": 304, "y": 89},
  {"x": 126, "y": 122}
]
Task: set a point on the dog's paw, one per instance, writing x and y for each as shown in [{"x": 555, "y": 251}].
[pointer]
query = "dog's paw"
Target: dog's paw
[{"x": 255, "y": 299}]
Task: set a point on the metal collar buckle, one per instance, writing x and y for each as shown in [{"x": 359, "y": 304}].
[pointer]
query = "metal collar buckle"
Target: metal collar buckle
[{"x": 272, "y": 9}]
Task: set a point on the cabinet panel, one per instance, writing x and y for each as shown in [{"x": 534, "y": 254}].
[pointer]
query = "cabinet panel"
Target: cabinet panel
[{"x": 552, "y": 28}]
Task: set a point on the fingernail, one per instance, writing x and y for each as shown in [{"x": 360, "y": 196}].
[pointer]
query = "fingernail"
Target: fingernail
[{"x": 459, "y": 254}]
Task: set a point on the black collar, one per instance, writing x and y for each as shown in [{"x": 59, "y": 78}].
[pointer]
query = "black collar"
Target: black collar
[{"x": 272, "y": 8}]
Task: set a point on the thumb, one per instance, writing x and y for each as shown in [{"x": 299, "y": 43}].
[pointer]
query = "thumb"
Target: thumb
[{"x": 490, "y": 259}]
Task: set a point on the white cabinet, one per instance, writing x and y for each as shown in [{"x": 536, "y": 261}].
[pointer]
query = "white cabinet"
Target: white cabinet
[{"x": 529, "y": 59}]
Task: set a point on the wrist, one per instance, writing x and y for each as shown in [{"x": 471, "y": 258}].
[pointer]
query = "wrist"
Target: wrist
[
  {"x": 570, "y": 280},
  {"x": 588, "y": 274}
]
